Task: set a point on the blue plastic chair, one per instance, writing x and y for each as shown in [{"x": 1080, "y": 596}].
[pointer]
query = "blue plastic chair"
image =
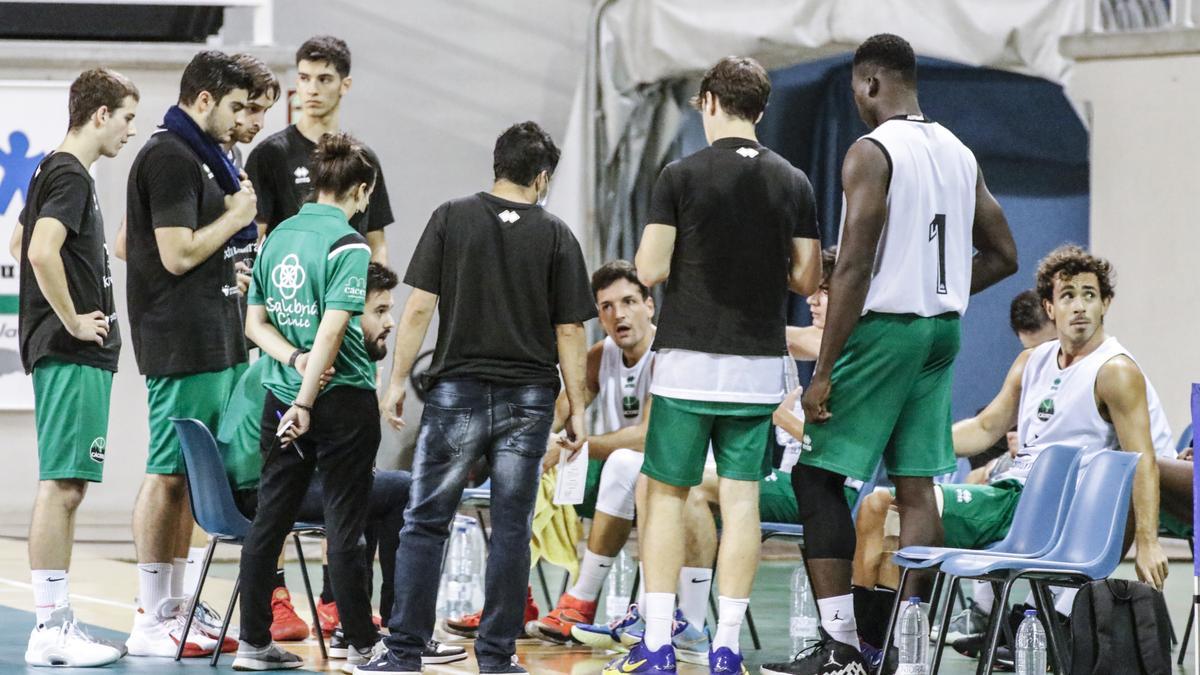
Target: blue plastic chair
[
  {"x": 1036, "y": 526},
  {"x": 1089, "y": 548},
  {"x": 217, "y": 514}
]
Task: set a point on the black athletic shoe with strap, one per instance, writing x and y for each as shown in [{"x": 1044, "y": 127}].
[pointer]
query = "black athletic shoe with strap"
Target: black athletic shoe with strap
[{"x": 827, "y": 657}]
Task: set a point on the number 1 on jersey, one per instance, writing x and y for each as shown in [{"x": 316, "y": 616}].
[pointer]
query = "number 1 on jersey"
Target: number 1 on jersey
[{"x": 937, "y": 230}]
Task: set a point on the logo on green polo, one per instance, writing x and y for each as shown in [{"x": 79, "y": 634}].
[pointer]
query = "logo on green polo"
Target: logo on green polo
[
  {"x": 1046, "y": 410},
  {"x": 97, "y": 450}
]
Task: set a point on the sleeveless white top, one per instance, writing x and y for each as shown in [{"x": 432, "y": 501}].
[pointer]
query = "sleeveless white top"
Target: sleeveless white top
[
  {"x": 623, "y": 390},
  {"x": 1058, "y": 405},
  {"x": 923, "y": 262}
]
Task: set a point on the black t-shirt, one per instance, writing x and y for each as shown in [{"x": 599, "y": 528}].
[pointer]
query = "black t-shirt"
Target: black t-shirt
[
  {"x": 506, "y": 274},
  {"x": 189, "y": 323},
  {"x": 279, "y": 169},
  {"x": 735, "y": 206},
  {"x": 63, "y": 189}
]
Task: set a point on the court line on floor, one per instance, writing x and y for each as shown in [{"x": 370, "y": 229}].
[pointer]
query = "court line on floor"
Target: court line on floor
[{"x": 74, "y": 596}]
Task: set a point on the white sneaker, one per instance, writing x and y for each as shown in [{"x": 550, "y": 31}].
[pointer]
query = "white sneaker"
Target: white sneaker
[
  {"x": 208, "y": 621},
  {"x": 360, "y": 657},
  {"x": 62, "y": 642},
  {"x": 271, "y": 657},
  {"x": 158, "y": 633}
]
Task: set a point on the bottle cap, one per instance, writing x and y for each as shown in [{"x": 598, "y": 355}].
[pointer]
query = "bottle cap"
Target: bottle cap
[
  {"x": 1031, "y": 612},
  {"x": 914, "y": 600}
]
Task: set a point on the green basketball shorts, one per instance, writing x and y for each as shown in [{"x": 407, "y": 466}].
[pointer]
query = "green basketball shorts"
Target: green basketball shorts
[{"x": 71, "y": 413}]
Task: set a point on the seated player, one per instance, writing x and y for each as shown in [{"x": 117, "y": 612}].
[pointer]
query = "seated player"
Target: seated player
[{"x": 238, "y": 438}]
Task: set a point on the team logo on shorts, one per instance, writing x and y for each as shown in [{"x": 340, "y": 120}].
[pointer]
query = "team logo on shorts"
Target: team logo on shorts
[
  {"x": 962, "y": 496},
  {"x": 1046, "y": 410},
  {"x": 96, "y": 452},
  {"x": 806, "y": 443},
  {"x": 288, "y": 276}
]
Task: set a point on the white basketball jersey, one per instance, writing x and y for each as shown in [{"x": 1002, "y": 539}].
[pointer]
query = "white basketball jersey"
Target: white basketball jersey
[
  {"x": 623, "y": 390},
  {"x": 1058, "y": 405},
  {"x": 923, "y": 263}
]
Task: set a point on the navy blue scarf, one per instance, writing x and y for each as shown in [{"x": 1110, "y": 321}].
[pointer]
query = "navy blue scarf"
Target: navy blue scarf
[{"x": 212, "y": 154}]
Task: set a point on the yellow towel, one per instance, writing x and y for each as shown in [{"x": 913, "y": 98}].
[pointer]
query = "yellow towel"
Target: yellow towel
[{"x": 556, "y": 529}]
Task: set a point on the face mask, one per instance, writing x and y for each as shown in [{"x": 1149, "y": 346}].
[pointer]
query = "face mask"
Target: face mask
[{"x": 544, "y": 195}]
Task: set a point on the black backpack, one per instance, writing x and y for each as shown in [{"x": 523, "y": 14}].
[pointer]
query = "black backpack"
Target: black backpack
[{"x": 1120, "y": 626}]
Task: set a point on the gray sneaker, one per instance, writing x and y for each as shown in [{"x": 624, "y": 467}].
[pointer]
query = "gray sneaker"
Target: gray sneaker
[
  {"x": 360, "y": 657},
  {"x": 270, "y": 657}
]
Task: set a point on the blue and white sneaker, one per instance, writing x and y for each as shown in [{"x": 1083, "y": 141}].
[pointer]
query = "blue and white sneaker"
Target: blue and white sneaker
[
  {"x": 609, "y": 636},
  {"x": 641, "y": 660},
  {"x": 691, "y": 642},
  {"x": 725, "y": 661}
]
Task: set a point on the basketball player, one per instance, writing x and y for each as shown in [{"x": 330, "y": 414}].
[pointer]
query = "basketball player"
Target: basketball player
[
  {"x": 915, "y": 208},
  {"x": 280, "y": 166},
  {"x": 70, "y": 342},
  {"x": 734, "y": 226}
]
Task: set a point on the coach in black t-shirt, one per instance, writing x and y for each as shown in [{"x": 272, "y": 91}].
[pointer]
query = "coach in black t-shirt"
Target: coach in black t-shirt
[
  {"x": 184, "y": 316},
  {"x": 512, "y": 291},
  {"x": 279, "y": 166},
  {"x": 734, "y": 227}
]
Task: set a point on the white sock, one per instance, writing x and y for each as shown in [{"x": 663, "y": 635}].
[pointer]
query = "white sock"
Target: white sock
[
  {"x": 837, "y": 618},
  {"x": 154, "y": 584},
  {"x": 729, "y": 623},
  {"x": 191, "y": 574},
  {"x": 659, "y": 613},
  {"x": 178, "y": 570},
  {"x": 694, "y": 585},
  {"x": 592, "y": 573},
  {"x": 49, "y": 592},
  {"x": 984, "y": 595}
]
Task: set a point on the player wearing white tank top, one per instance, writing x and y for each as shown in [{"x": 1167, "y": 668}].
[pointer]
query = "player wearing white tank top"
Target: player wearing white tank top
[
  {"x": 618, "y": 378},
  {"x": 1085, "y": 389},
  {"x": 920, "y": 233}
]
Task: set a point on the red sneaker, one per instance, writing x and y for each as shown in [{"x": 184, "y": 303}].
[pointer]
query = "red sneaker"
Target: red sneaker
[
  {"x": 327, "y": 615},
  {"x": 556, "y": 626},
  {"x": 531, "y": 608},
  {"x": 467, "y": 626},
  {"x": 286, "y": 626}
]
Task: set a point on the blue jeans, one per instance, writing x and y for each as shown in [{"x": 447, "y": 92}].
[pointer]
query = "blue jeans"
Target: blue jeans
[{"x": 465, "y": 419}]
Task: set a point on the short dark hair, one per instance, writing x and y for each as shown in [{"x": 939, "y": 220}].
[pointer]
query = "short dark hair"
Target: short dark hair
[
  {"x": 380, "y": 278},
  {"x": 614, "y": 271},
  {"x": 1068, "y": 261},
  {"x": 262, "y": 80},
  {"x": 327, "y": 48},
  {"x": 340, "y": 163},
  {"x": 888, "y": 51},
  {"x": 94, "y": 89},
  {"x": 215, "y": 72},
  {"x": 522, "y": 152},
  {"x": 828, "y": 258},
  {"x": 1026, "y": 314},
  {"x": 741, "y": 85}
]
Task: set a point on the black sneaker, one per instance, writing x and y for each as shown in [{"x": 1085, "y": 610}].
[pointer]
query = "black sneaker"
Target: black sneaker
[
  {"x": 339, "y": 646},
  {"x": 513, "y": 666},
  {"x": 827, "y": 657},
  {"x": 436, "y": 653}
]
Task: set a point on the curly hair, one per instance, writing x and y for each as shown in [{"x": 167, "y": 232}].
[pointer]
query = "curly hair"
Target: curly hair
[{"x": 1068, "y": 261}]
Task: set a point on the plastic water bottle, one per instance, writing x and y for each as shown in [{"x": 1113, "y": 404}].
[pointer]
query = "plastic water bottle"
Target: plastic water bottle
[
  {"x": 804, "y": 619},
  {"x": 1031, "y": 645},
  {"x": 620, "y": 584},
  {"x": 913, "y": 639},
  {"x": 461, "y": 583}
]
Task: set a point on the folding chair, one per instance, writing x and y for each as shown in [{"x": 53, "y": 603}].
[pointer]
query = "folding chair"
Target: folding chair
[
  {"x": 1088, "y": 548},
  {"x": 215, "y": 511}
]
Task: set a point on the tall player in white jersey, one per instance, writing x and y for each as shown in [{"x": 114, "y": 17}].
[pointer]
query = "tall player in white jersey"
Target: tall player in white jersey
[
  {"x": 618, "y": 378},
  {"x": 1085, "y": 389},
  {"x": 915, "y": 207}
]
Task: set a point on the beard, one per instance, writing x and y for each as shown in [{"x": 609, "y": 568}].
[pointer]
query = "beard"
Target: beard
[{"x": 377, "y": 348}]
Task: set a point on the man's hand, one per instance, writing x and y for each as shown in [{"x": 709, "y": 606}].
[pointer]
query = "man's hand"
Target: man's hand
[
  {"x": 1151, "y": 564},
  {"x": 575, "y": 433},
  {"x": 1186, "y": 455},
  {"x": 242, "y": 273},
  {"x": 550, "y": 459},
  {"x": 815, "y": 399},
  {"x": 243, "y": 203},
  {"x": 292, "y": 425},
  {"x": 302, "y": 363},
  {"x": 392, "y": 406},
  {"x": 91, "y": 327}
]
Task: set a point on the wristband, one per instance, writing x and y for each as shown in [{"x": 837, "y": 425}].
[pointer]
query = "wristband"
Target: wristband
[{"x": 295, "y": 355}]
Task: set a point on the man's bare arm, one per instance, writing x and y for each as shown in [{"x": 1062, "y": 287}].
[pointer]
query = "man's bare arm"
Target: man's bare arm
[
  {"x": 804, "y": 342},
  {"x": 653, "y": 259},
  {"x": 572, "y": 361},
  {"x": 14, "y": 242},
  {"x": 996, "y": 256},
  {"x": 804, "y": 276},
  {"x": 976, "y": 434},
  {"x": 1121, "y": 389},
  {"x": 45, "y": 257},
  {"x": 378, "y": 243},
  {"x": 183, "y": 248}
]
